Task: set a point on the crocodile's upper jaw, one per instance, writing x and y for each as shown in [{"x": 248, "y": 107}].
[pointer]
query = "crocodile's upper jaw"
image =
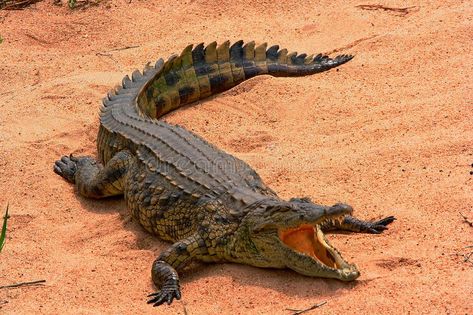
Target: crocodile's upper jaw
[{"x": 326, "y": 261}]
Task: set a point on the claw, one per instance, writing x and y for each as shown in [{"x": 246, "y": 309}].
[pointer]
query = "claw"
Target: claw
[
  {"x": 73, "y": 158},
  {"x": 374, "y": 231},
  {"x": 385, "y": 221},
  {"x": 57, "y": 170},
  {"x": 379, "y": 226},
  {"x": 165, "y": 295},
  {"x": 157, "y": 300},
  {"x": 66, "y": 167}
]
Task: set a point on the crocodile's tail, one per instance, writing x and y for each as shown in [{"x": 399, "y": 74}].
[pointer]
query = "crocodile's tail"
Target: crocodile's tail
[
  {"x": 202, "y": 71},
  {"x": 195, "y": 74}
]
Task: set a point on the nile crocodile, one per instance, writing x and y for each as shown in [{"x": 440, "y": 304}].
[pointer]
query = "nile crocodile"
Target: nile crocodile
[{"x": 212, "y": 206}]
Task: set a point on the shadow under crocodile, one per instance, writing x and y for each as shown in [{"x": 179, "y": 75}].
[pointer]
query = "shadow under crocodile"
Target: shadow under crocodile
[{"x": 284, "y": 281}]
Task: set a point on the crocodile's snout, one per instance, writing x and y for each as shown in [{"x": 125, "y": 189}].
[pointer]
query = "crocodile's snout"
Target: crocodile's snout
[{"x": 340, "y": 209}]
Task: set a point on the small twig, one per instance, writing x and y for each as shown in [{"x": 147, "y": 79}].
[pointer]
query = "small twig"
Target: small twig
[
  {"x": 109, "y": 55},
  {"x": 351, "y": 45},
  {"x": 465, "y": 219},
  {"x": 123, "y": 48},
  {"x": 313, "y": 307},
  {"x": 16, "y": 285},
  {"x": 399, "y": 11},
  {"x": 16, "y": 4},
  {"x": 108, "y": 52},
  {"x": 41, "y": 41},
  {"x": 466, "y": 256},
  {"x": 103, "y": 54}
]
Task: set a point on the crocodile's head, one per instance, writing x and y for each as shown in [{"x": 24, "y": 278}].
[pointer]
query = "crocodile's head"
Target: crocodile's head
[{"x": 289, "y": 234}]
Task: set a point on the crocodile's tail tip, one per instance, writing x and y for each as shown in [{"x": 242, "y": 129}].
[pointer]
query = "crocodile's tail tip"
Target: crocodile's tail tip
[
  {"x": 323, "y": 62},
  {"x": 341, "y": 59},
  {"x": 282, "y": 64},
  {"x": 326, "y": 61}
]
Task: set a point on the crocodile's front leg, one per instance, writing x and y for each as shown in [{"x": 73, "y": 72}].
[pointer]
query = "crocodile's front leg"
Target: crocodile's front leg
[
  {"x": 166, "y": 266},
  {"x": 91, "y": 178},
  {"x": 352, "y": 224}
]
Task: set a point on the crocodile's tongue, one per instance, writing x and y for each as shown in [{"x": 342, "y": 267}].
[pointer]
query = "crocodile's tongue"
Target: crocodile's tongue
[{"x": 310, "y": 240}]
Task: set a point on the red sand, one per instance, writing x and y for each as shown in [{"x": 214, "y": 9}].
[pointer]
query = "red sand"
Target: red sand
[{"x": 389, "y": 133}]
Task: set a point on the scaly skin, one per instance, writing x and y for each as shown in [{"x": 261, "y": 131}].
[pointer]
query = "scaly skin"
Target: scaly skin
[{"x": 212, "y": 206}]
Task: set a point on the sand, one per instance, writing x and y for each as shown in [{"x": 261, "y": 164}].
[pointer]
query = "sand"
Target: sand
[{"x": 389, "y": 133}]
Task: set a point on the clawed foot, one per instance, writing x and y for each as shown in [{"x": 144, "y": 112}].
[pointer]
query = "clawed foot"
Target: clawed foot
[
  {"x": 66, "y": 167},
  {"x": 379, "y": 226},
  {"x": 167, "y": 294}
]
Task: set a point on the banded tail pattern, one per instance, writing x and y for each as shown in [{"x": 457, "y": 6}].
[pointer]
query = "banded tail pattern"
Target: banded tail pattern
[
  {"x": 196, "y": 73},
  {"x": 199, "y": 72}
]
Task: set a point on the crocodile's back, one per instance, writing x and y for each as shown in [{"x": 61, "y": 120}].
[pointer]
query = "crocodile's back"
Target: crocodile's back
[
  {"x": 171, "y": 164},
  {"x": 168, "y": 193}
]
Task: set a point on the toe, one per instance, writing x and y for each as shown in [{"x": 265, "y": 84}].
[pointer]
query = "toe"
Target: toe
[
  {"x": 386, "y": 221},
  {"x": 65, "y": 168},
  {"x": 57, "y": 169}
]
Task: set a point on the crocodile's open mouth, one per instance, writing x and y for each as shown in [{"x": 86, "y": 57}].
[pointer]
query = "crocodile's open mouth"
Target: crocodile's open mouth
[{"x": 309, "y": 240}]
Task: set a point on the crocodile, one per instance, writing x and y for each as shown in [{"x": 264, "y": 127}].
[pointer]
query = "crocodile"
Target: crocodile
[{"x": 212, "y": 206}]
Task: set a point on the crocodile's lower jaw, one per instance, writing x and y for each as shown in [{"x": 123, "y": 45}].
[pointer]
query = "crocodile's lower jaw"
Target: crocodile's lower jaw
[{"x": 310, "y": 240}]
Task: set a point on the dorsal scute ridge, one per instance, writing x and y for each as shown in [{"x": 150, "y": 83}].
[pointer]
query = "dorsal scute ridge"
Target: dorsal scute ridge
[
  {"x": 260, "y": 52},
  {"x": 202, "y": 70},
  {"x": 223, "y": 52},
  {"x": 210, "y": 53}
]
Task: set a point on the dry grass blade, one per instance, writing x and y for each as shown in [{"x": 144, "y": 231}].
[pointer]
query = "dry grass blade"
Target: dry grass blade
[
  {"x": 16, "y": 4},
  {"x": 3, "y": 233},
  {"x": 313, "y": 307},
  {"x": 466, "y": 220},
  {"x": 398, "y": 11}
]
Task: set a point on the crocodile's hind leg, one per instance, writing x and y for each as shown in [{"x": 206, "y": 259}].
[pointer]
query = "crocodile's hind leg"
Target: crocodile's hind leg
[{"x": 91, "y": 178}]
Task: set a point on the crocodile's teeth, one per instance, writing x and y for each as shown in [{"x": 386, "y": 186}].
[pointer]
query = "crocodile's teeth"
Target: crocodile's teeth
[{"x": 331, "y": 252}]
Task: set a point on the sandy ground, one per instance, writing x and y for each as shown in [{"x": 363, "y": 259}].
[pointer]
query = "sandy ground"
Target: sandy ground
[{"x": 389, "y": 133}]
